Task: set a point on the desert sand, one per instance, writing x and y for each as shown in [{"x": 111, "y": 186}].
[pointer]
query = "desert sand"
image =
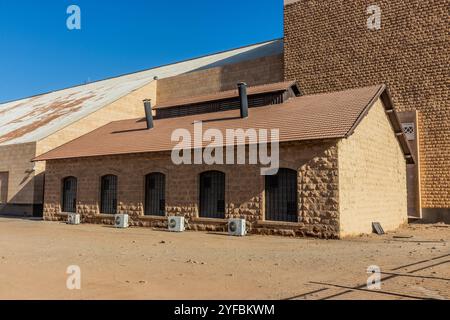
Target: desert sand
[{"x": 141, "y": 263}]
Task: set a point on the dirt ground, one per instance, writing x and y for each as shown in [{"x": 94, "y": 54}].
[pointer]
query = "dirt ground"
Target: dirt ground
[{"x": 141, "y": 263}]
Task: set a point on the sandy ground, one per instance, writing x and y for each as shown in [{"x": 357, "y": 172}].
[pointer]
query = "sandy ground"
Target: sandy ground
[{"x": 141, "y": 263}]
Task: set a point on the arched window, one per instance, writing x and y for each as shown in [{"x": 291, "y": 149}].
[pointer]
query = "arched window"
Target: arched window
[
  {"x": 281, "y": 196},
  {"x": 108, "y": 202},
  {"x": 155, "y": 194},
  {"x": 69, "y": 194},
  {"x": 212, "y": 194}
]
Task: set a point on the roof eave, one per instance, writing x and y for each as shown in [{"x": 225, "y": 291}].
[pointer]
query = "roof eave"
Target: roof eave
[
  {"x": 386, "y": 99},
  {"x": 384, "y": 95}
]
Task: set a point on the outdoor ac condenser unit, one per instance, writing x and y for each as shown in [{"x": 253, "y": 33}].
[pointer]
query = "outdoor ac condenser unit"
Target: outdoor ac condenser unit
[
  {"x": 236, "y": 227},
  {"x": 73, "y": 218},
  {"x": 176, "y": 224},
  {"x": 121, "y": 221}
]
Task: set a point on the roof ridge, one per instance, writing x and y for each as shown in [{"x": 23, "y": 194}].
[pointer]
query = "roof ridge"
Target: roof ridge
[{"x": 343, "y": 90}]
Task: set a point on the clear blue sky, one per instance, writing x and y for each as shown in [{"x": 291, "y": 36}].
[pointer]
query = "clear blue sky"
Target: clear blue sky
[{"x": 39, "y": 54}]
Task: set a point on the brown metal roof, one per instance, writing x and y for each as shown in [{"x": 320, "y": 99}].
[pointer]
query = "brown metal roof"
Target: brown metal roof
[
  {"x": 322, "y": 116},
  {"x": 223, "y": 95}
]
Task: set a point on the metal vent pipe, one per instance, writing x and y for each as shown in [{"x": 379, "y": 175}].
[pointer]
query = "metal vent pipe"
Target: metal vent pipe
[
  {"x": 148, "y": 113},
  {"x": 242, "y": 87}
]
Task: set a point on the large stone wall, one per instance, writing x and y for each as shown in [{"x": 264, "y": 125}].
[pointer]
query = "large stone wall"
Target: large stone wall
[
  {"x": 254, "y": 72},
  {"x": 372, "y": 176},
  {"x": 328, "y": 47},
  {"x": 316, "y": 164}
]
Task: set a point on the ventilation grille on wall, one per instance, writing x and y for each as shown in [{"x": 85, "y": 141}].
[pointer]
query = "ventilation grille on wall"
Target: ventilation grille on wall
[
  {"x": 408, "y": 129},
  {"x": 259, "y": 100}
]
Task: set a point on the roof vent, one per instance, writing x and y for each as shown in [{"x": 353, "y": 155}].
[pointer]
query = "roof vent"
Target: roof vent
[
  {"x": 408, "y": 129},
  {"x": 242, "y": 87},
  {"x": 148, "y": 113}
]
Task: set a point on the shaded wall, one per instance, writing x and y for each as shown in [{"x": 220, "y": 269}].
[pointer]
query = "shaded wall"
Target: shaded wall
[
  {"x": 18, "y": 172},
  {"x": 254, "y": 72}
]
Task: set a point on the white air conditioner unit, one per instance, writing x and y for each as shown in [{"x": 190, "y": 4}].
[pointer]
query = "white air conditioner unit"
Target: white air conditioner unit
[
  {"x": 73, "y": 218},
  {"x": 236, "y": 227},
  {"x": 176, "y": 224},
  {"x": 121, "y": 221}
]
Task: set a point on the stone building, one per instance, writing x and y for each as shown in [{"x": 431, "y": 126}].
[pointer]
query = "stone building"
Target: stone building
[
  {"x": 32, "y": 126},
  {"x": 328, "y": 47},
  {"x": 342, "y": 165}
]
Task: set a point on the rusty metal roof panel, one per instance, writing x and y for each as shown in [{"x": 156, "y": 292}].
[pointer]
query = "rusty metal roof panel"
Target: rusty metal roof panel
[{"x": 35, "y": 118}]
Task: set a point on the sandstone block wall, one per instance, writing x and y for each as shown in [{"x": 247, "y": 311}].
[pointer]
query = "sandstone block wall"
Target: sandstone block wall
[
  {"x": 316, "y": 164},
  {"x": 254, "y": 72},
  {"x": 328, "y": 47},
  {"x": 372, "y": 177}
]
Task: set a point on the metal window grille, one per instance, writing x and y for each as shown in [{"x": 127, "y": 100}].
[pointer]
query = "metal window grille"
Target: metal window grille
[
  {"x": 69, "y": 194},
  {"x": 108, "y": 203},
  {"x": 281, "y": 196},
  {"x": 155, "y": 194},
  {"x": 4, "y": 187},
  {"x": 212, "y": 194}
]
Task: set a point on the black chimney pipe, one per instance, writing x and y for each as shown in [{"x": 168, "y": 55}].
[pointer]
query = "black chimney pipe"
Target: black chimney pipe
[
  {"x": 242, "y": 87},
  {"x": 148, "y": 113}
]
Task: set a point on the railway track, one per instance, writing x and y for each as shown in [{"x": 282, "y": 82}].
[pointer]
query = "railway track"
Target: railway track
[{"x": 396, "y": 284}]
